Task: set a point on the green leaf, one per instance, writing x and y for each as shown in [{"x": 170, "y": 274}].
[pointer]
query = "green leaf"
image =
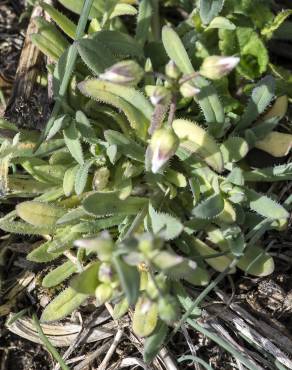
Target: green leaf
[
  {"x": 145, "y": 317},
  {"x": 59, "y": 274},
  {"x": 210, "y": 207},
  {"x": 103, "y": 204},
  {"x": 87, "y": 281},
  {"x": 76, "y": 7},
  {"x": 221, "y": 23},
  {"x": 123, "y": 98},
  {"x": 154, "y": 342},
  {"x": 256, "y": 262},
  {"x": 129, "y": 278},
  {"x": 71, "y": 137},
  {"x": 41, "y": 254},
  {"x": 66, "y": 25},
  {"x": 82, "y": 176},
  {"x": 63, "y": 305},
  {"x": 270, "y": 174},
  {"x": 209, "y": 9},
  {"x": 120, "y": 309},
  {"x": 120, "y": 43},
  {"x": 279, "y": 19},
  {"x": 69, "y": 180},
  {"x": 126, "y": 145},
  {"x": 144, "y": 21},
  {"x": 167, "y": 226},
  {"x": 265, "y": 206},
  {"x": 197, "y": 141},
  {"x": 95, "y": 55},
  {"x": 38, "y": 213},
  {"x": 261, "y": 97},
  {"x": 234, "y": 149}
]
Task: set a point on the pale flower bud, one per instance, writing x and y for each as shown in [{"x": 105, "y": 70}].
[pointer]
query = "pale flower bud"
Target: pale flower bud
[
  {"x": 188, "y": 89},
  {"x": 127, "y": 73},
  {"x": 158, "y": 94},
  {"x": 163, "y": 146},
  {"x": 172, "y": 71},
  {"x": 103, "y": 293},
  {"x": 216, "y": 67}
]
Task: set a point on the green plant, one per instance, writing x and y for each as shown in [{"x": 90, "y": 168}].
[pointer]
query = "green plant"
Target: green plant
[{"x": 141, "y": 171}]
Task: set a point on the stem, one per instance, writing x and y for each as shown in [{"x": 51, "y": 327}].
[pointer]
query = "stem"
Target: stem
[{"x": 172, "y": 110}]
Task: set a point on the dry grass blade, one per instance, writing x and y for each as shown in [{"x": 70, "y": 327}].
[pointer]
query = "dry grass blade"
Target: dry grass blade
[{"x": 60, "y": 335}]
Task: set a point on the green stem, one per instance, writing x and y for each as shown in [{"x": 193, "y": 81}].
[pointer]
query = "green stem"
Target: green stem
[{"x": 48, "y": 344}]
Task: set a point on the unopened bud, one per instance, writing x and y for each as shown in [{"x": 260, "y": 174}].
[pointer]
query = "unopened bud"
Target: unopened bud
[
  {"x": 127, "y": 73},
  {"x": 100, "y": 179},
  {"x": 163, "y": 146},
  {"x": 216, "y": 67},
  {"x": 168, "y": 309},
  {"x": 103, "y": 293},
  {"x": 189, "y": 90},
  {"x": 172, "y": 71},
  {"x": 158, "y": 94},
  {"x": 105, "y": 272}
]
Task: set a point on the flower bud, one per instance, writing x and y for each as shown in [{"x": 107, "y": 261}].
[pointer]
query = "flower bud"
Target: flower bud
[
  {"x": 188, "y": 89},
  {"x": 103, "y": 293},
  {"x": 163, "y": 146},
  {"x": 168, "y": 309},
  {"x": 100, "y": 179},
  {"x": 172, "y": 71},
  {"x": 216, "y": 67},
  {"x": 105, "y": 272},
  {"x": 127, "y": 73},
  {"x": 158, "y": 94}
]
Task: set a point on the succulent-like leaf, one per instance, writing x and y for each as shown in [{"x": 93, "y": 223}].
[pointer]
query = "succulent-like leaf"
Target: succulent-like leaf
[
  {"x": 197, "y": 141},
  {"x": 108, "y": 203},
  {"x": 38, "y": 213},
  {"x": 145, "y": 317},
  {"x": 64, "y": 304},
  {"x": 59, "y": 274},
  {"x": 209, "y": 9},
  {"x": 129, "y": 279}
]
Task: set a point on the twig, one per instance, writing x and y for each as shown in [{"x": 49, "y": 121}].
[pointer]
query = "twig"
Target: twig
[
  {"x": 108, "y": 356},
  {"x": 92, "y": 356}
]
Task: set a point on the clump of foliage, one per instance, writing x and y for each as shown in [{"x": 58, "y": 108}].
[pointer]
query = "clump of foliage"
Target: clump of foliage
[{"x": 140, "y": 176}]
